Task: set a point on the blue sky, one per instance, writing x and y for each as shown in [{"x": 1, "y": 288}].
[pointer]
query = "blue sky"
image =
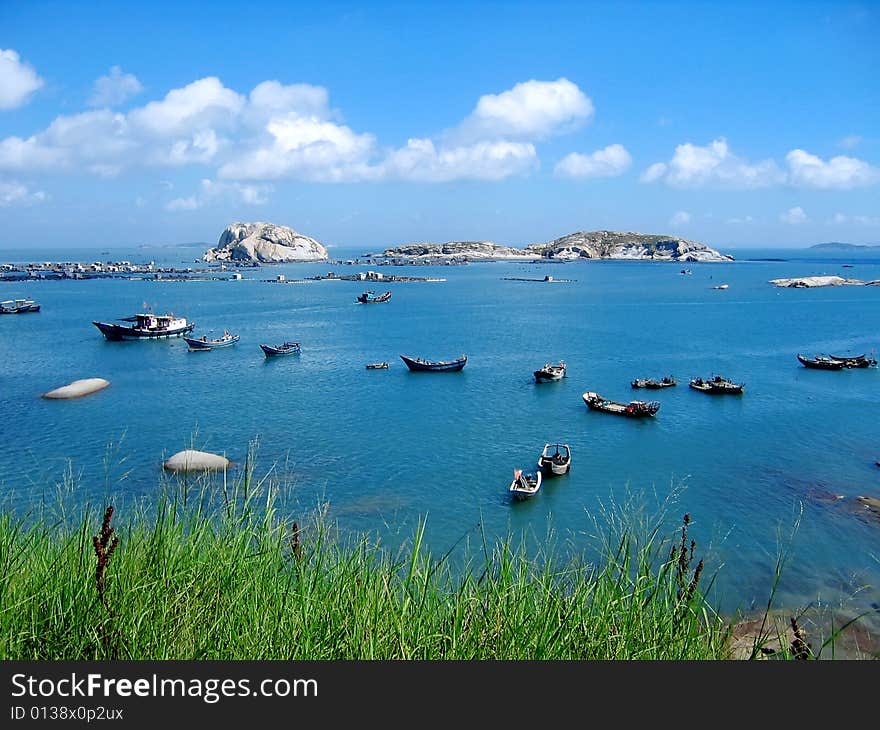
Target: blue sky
[{"x": 370, "y": 124}]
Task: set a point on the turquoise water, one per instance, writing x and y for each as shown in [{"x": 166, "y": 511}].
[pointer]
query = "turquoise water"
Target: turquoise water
[{"x": 384, "y": 448}]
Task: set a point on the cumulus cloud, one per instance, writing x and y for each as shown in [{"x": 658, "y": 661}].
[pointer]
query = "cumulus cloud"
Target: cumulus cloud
[
  {"x": 531, "y": 110},
  {"x": 841, "y": 172},
  {"x": 694, "y": 166},
  {"x": 18, "y": 80},
  {"x": 114, "y": 88},
  {"x": 420, "y": 160},
  {"x": 212, "y": 192},
  {"x": 794, "y": 216},
  {"x": 680, "y": 218},
  {"x": 608, "y": 162},
  {"x": 16, "y": 193}
]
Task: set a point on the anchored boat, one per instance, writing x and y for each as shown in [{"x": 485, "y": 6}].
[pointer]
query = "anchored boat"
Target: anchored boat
[
  {"x": 18, "y": 306},
  {"x": 524, "y": 486},
  {"x": 146, "y": 327},
  {"x": 442, "y": 366},
  {"x": 717, "y": 386},
  {"x": 633, "y": 409},
  {"x": 370, "y": 297},
  {"x": 856, "y": 361},
  {"x": 821, "y": 363},
  {"x": 198, "y": 344},
  {"x": 555, "y": 459},
  {"x": 550, "y": 372},
  {"x": 288, "y": 348},
  {"x": 377, "y": 366},
  {"x": 652, "y": 384}
]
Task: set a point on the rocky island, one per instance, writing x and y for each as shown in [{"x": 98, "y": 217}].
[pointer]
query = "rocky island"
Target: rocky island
[
  {"x": 580, "y": 245},
  {"x": 264, "y": 243},
  {"x": 810, "y": 282}
]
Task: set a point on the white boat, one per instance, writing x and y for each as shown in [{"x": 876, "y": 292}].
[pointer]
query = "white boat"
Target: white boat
[
  {"x": 18, "y": 306},
  {"x": 555, "y": 459},
  {"x": 524, "y": 486},
  {"x": 550, "y": 372},
  {"x": 146, "y": 326},
  {"x": 721, "y": 286}
]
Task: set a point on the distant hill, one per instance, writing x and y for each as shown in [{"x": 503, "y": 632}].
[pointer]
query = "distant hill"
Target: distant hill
[{"x": 836, "y": 245}]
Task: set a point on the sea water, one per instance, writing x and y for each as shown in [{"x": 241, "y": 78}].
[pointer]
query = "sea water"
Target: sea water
[{"x": 383, "y": 449}]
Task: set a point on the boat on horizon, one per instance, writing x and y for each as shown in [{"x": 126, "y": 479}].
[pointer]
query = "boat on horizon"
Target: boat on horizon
[
  {"x": 717, "y": 385},
  {"x": 18, "y": 306},
  {"x": 633, "y": 409},
  {"x": 653, "y": 384},
  {"x": 287, "y": 348},
  {"x": 550, "y": 372},
  {"x": 201, "y": 344},
  {"x": 523, "y": 485},
  {"x": 555, "y": 459},
  {"x": 146, "y": 326},
  {"x": 417, "y": 364},
  {"x": 370, "y": 297}
]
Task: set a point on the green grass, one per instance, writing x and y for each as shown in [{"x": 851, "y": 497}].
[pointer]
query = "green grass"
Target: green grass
[{"x": 218, "y": 574}]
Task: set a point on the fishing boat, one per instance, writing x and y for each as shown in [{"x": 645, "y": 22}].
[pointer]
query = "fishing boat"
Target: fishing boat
[
  {"x": 377, "y": 366},
  {"x": 633, "y": 409},
  {"x": 717, "y": 386},
  {"x": 652, "y": 384},
  {"x": 555, "y": 459},
  {"x": 146, "y": 326},
  {"x": 370, "y": 297},
  {"x": 855, "y": 361},
  {"x": 821, "y": 362},
  {"x": 550, "y": 372},
  {"x": 721, "y": 286},
  {"x": 523, "y": 485},
  {"x": 288, "y": 348},
  {"x": 417, "y": 364},
  {"x": 202, "y": 343},
  {"x": 18, "y": 306}
]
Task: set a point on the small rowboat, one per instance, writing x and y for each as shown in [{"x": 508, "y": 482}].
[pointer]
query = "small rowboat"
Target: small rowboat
[
  {"x": 717, "y": 386},
  {"x": 288, "y": 348},
  {"x": 199, "y": 344},
  {"x": 550, "y": 372},
  {"x": 524, "y": 486},
  {"x": 633, "y": 409},
  {"x": 555, "y": 459},
  {"x": 443, "y": 366},
  {"x": 652, "y": 384},
  {"x": 377, "y": 366}
]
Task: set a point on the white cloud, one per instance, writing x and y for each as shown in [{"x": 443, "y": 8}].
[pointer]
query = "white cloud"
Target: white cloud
[
  {"x": 693, "y": 166},
  {"x": 203, "y": 104},
  {"x": 422, "y": 161},
  {"x": 608, "y": 162},
  {"x": 190, "y": 203},
  {"x": 114, "y": 88},
  {"x": 680, "y": 218},
  {"x": 851, "y": 141},
  {"x": 16, "y": 193},
  {"x": 841, "y": 172},
  {"x": 862, "y": 220},
  {"x": 211, "y": 192},
  {"x": 531, "y": 110},
  {"x": 18, "y": 80},
  {"x": 794, "y": 216}
]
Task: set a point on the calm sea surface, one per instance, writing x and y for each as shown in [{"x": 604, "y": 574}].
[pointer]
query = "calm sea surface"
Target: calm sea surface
[{"x": 386, "y": 448}]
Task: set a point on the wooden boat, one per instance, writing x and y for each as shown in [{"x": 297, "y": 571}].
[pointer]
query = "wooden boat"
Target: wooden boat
[
  {"x": 524, "y": 486},
  {"x": 821, "y": 363},
  {"x": 550, "y": 372},
  {"x": 555, "y": 459},
  {"x": 203, "y": 343},
  {"x": 417, "y": 364},
  {"x": 633, "y": 409},
  {"x": 146, "y": 327},
  {"x": 717, "y": 386},
  {"x": 288, "y": 348},
  {"x": 370, "y": 297},
  {"x": 19, "y": 306},
  {"x": 377, "y": 366},
  {"x": 855, "y": 361},
  {"x": 652, "y": 384}
]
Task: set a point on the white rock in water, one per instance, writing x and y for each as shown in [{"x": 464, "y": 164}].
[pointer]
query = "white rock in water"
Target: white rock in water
[
  {"x": 192, "y": 460},
  {"x": 78, "y": 388},
  {"x": 808, "y": 282},
  {"x": 266, "y": 243}
]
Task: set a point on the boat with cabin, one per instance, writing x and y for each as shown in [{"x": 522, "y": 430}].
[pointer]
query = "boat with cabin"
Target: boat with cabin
[
  {"x": 717, "y": 385},
  {"x": 550, "y": 372},
  {"x": 856, "y": 361},
  {"x": 200, "y": 344},
  {"x": 821, "y": 362},
  {"x": 18, "y": 306},
  {"x": 524, "y": 485},
  {"x": 633, "y": 409},
  {"x": 417, "y": 364},
  {"x": 377, "y": 366},
  {"x": 555, "y": 459},
  {"x": 287, "y": 348},
  {"x": 146, "y": 326},
  {"x": 370, "y": 297},
  {"x": 653, "y": 384}
]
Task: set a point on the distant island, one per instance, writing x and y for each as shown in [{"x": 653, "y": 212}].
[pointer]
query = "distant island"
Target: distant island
[
  {"x": 836, "y": 245},
  {"x": 264, "y": 243},
  {"x": 616, "y": 245}
]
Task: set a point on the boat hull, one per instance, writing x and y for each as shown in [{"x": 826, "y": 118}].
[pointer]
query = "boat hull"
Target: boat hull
[
  {"x": 116, "y": 332},
  {"x": 199, "y": 345},
  {"x": 270, "y": 351},
  {"x": 633, "y": 409},
  {"x": 424, "y": 366}
]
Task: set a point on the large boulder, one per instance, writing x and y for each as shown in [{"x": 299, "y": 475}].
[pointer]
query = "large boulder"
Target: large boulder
[
  {"x": 77, "y": 389},
  {"x": 264, "y": 243},
  {"x": 190, "y": 460}
]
